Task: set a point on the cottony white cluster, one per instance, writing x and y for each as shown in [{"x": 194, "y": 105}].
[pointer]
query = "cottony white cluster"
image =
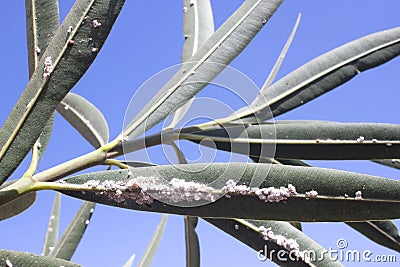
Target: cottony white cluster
[
  {"x": 290, "y": 244},
  {"x": 312, "y": 193},
  {"x": 146, "y": 189},
  {"x": 48, "y": 67},
  {"x": 96, "y": 23},
  {"x": 358, "y": 195},
  {"x": 120, "y": 191},
  {"x": 270, "y": 194},
  {"x": 177, "y": 190}
]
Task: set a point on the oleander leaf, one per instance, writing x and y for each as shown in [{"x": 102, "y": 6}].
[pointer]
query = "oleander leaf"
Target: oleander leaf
[
  {"x": 53, "y": 226},
  {"x": 70, "y": 53},
  {"x": 198, "y": 26},
  {"x": 86, "y": 118},
  {"x": 42, "y": 22},
  {"x": 325, "y": 73},
  {"x": 306, "y": 140},
  {"x": 137, "y": 164},
  {"x": 129, "y": 262},
  {"x": 217, "y": 52},
  {"x": 43, "y": 141},
  {"x": 384, "y": 233},
  {"x": 394, "y": 163},
  {"x": 153, "y": 245},
  {"x": 248, "y": 232},
  {"x": 17, "y": 205},
  {"x": 70, "y": 239},
  {"x": 15, "y": 258},
  {"x": 272, "y": 75},
  {"x": 322, "y": 194},
  {"x": 192, "y": 242}
]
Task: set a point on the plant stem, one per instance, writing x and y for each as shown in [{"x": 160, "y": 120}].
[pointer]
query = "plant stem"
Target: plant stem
[
  {"x": 113, "y": 149},
  {"x": 142, "y": 143},
  {"x": 88, "y": 160},
  {"x": 34, "y": 162}
]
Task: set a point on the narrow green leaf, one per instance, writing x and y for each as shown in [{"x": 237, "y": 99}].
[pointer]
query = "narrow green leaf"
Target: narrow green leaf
[
  {"x": 327, "y": 72},
  {"x": 15, "y": 258},
  {"x": 43, "y": 141},
  {"x": 297, "y": 225},
  {"x": 384, "y": 233},
  {"x": 198, "y": 26},
  {"x": 70, "y": 53},
  {"x": 42, "y": 22},
  {"x": 278, "y": 63},
  {"x": 129, "y": 262},
  {"x": 180, "y": 113},
  {"x": 138, "y": 164},
  {"x": 248, "y": 232},
  {"x": 70, "y": 239},
  {"x": 155, "y": 241},
  {"x": 17, "y": 205},
  {"x": 394, "y": 163},
  {"x": 218, "y": 51},
  {"x": 192, "y": 242},
  {"x": 179, "y": 154},
  {"x": 86, "y": 118},
  {"x": 271, "y": 77},
  {"x": 293, "y": 162},
  {"x": 53, "y": 226},
  {"x": 311, "y": 140},
  {"x": 322, "y": 194}
]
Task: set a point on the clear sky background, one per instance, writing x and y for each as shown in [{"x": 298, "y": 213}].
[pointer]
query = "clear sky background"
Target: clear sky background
[{"x": 147, "y": 38}]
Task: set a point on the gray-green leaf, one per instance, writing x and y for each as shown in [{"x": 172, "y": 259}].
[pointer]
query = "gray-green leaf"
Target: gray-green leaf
[
  {"x": 70, "y": 239},
  {"x": 68, "y": 56},
  {"x": 43, "y": 141},
  {"x": 42, "y": 22},
  {"x": 86, "y": 118},
  {"x": 217, "y": 52},
  {"x": 394, "y": 163},
  {"x": 198, "y": 26},
  {"x": 52, "y": 227},
  {"x": 327, "y": 72},
  {"x": 384, "y": 233},
  {"x": 137, "y": 164},
  {"x": 129, "y": 262},
  {"x": 248, "y": 232},
  {"x": 17, "y": 205},
  {"x": 306, "y": 140},
  {"x": 192, "y": 242},
  {"x": 322, "y": 194},
  {"x": 15, "y": 258},
  {"x": 153, "y": 245}
]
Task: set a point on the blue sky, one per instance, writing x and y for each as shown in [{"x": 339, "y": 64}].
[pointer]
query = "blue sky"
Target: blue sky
[{"x": 147, "y": 38}]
